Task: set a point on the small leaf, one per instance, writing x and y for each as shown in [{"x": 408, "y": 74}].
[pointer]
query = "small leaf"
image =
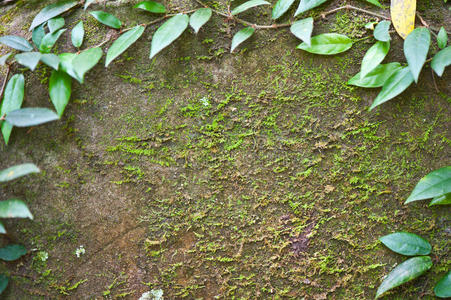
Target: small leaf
[
  {"x": 151, "y": 6},
  {"x": 17, "y": 171},
  {"x": 4, "y": 58},
  {"x": 407, "y": 271},
  {"x": 60, "y": 87},
  {"x": 12, "y": 100},
  {"x": 77, "y": 34},
  {"x": 416, "y": 47},
  {"x": 442, "y": 38},
  {"x": 375, "y": 2},
  {"x": 52, "y": 11},
  {"x": 443, "y": 287},
  {"x": 199, "y": 18},
  {"x": 375, "y": 78},
  {"x": 370, "y": 25},
  {"x": 302, "y": 29},
  {"x": 51, "y": 60},
  {"x": 381, "y": 31},
  {"x": 3, "y": 283},
  {"x": 432, "y": 185},
  {"x": 87, "y": 3},
  {"x": 241, "y": 36},
  {"x": 106, "y": 19},
  {"x": 49, "y": 40},
  {"x": 16, "y": 42},
  {"x": 168, "y": 32},
  {"x": 406, "y": 243},
  {"x": 247, "y": 5},
  {"x": 327, "y": 44},
  {"x": 85, "y": 61},
  {"x": 55, "y": 24},
  {"x": 14, "y": 208},
  {"x": 441, "y": 60},
  {"x": 2, "y": 229},
  {"x": 28, "y": 59},
  {"x": 38, "y": 34},
  {"x": 441, "y": 200},
  {"x": 373, "y": 57},
  {"x": 122, "y": 43},
  {"x": 397, "y": 83},
  {"x": 12, "y": 252},
  {"x": 281, "y": 7},
  {"x": 31, "y": 116},
  {"x": 403, "y": 16},
  {"x": 306, "y": 5}
]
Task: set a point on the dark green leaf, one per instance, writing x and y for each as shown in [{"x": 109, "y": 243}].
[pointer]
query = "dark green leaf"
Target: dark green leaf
[
  {"x": 247, "y": 5},
  {"x": 17, "y": 171},
  {"x": 381, "y": 31},
  {"x": 52, "y": 11},
  {"x": 28, "y": 59},
  {"x": 31, "y": 116},
  {"x": 397, "y": 83},
  {"x": 281, "y": 7},
  {"x": 60, "y": 87},
  {"x": 168, "y": 32},
  {"x": 407, "y": 271},
  {"x": 49, "y": 40},
  {"x": 375, "y": 78},
  {"x": 241, "y": 36},
  {"x": 85, "y": 61},
  {"x": 77, "y": 34},
  {"x": 51, "y": 60},
  {"x": 441, "y": 60},
  {"x": 199, "y": 18},
  {"x": 122, "y": 43},
  {"x": 416, "y": 47},
  {"x": 2, "y": 228},
  {"x": 3, "y": 283},
  {"x": 406, "y": 243},
  {"x": 374, "y": 56},
  {"x": 432, "y": 185},
  {"x": 106, "y": 19},
  {"x": 443, "y": 287},
  {"x": 38, "y": 34},
  {"x": 4, "y": 58},
  {"x": 87, "y": 3},
  {"x": 441, "y": 200},
  {"x": 375, "y": 2},
  {"x": 16, "y": 42},
  {"x": 306, "y": 5},
  {"x": 14, "y": 208},
  {"x": 12, "y": 100},
  {"x": 327, "y": 44},
  {"x": 12, "y": 252},
  {"x": 442, "y": 38},
  {"x": 151, "y": 6},
  {"x": 302, "y": 29},
  {"x": 55, "y": 24}
]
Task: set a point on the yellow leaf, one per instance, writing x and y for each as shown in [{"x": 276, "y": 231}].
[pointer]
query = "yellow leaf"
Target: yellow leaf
[{"x": 403, "y": 16}]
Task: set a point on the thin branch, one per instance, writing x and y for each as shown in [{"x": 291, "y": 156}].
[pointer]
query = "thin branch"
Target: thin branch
[
  {"x": 354, "y": 8},
  {"x": 425, "y": 24},
  {"x": 433, "y": 80},
  {"x": 4, "y": 82}
]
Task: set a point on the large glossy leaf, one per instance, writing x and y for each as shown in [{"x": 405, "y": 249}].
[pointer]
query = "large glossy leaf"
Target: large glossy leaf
[
  {"x": 168, "y": 32},
  {"x": 16, "y": 42},
  {"x": 12, "y": 100},
  {"x": 38, "y": 34},
  {"x": 4, "y": 58},
  {"x": 407, "y": 271},
  {"x": 122, "y": 43},
  {"x": 381, "y": 31},
  {"x": 60, "y": 88},
  {"x": 151, "y": 6},
  {"x": 306, "y": 5},
  {"x": 241, "y": 36},
  {"x": 441, "y": 60},
  {"x": 14, "y": 208},
  {"x": 302, "y": 29},
  {"x": 52, "y": 11},
  {"x": 12, "y": 252},
  {"x": 281, "y": 7},
  {"x": 199, "y": 18},
  {"x": 441, "y": 200},
  {"x": 432, "y": 185},
  {"x": 51, "y": 60},
  {"x": 49, "y": 40},
  {"x": 375, "y": 78},
  {"x": 406, "y": 243},
  {"x": 403, "y": 16},
  {"x": 85, "y": 61},
  {"x": 31, "y": 116},
  {"x": 28, "y": 59},
  {"x": 106, "y": 19},
  {"x": 375, "y": 2},
  {"x": 442, "y": 38},
  {"x": 373, "y": 57},
  {"x": 443, "y": 287},
  {"x": 327, "y": 44},
  {"x": 397, "y": 83},
  {"x": 3, "y": 283},
  {"x": 55, "y": 24},
  {"x": 416, "y": 47},
  {"x": 77, "y": 34},
  {"x": 17, "y": 171},
  {"x": 247, "y": 5}
]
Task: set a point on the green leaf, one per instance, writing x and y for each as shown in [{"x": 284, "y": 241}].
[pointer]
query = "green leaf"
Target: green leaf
[
  {"x": 406, "y": 243},
  {"x": 432, "y": 185},
  {"x": 28, "y": 59},
  {"x": 168, "y": 32},
  {"x": 306, "y": 5},
  {"x": 12, "y": 252},
  {"x": 373, "y": 57},
  {"x": 370, "y": 25},
  {"x": 247, "y": 5},
  {"x": 12, "y": 100},
  {"x": 375, "y": 78},
  {"x": 407, "y": 271},
  {"x": 399, "y": 81},
  {"x": 199, "y": 18},
  {"x": 38, "y": 34},
  {"x": 14, "y": 208},
  {"x": 442, "y": 38},
  {"x": 55, "y": 24},
  {"x": 375, "y": 2},
  {"x": 106, "y": 19},
  {"x": 85, "y": 61},
  {"x": 3, "y": 283},
  {"x": 52, "y": 11},
  {"x": 4, "y": 58},
  {"x": 77, "y": 34},
  {"x": 441, "y": 200},
  {"x": 441, "y": 60},
  {"x": 151, "y": 6},
  {"x": 2, "y": 229},
  {"x": 443, "y": 287},
  {"x": 51, "y": 60},
  {"x": 66, "y": 60},
  {"x": 241, "y": 36},
  {"x": 87, "y": 3},
  {"x": 381, "y": 31},
  {"x": 302, "y": 29},
  {"x": 416, "y": 47},
  {"x": 31, "y": 116},
  {"x": 281, "y": 7},
  {"x": 122, "y": 43},
  {"x": 49, "y": 40},
  {"x": 60, "y": 87},
  {"x": 17, "y": 171},
  {"x": 327, "y": 44},
  {"x": 16, "y": 42}
]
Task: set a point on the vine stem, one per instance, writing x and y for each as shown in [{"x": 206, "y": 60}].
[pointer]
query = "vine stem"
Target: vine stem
[
  {"x": 4, "y": 82},
  {"x": 347, "y": 6}
]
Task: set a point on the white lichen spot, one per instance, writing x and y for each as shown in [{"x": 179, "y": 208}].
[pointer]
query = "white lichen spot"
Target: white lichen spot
[{"x": 80, "y": 251}]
